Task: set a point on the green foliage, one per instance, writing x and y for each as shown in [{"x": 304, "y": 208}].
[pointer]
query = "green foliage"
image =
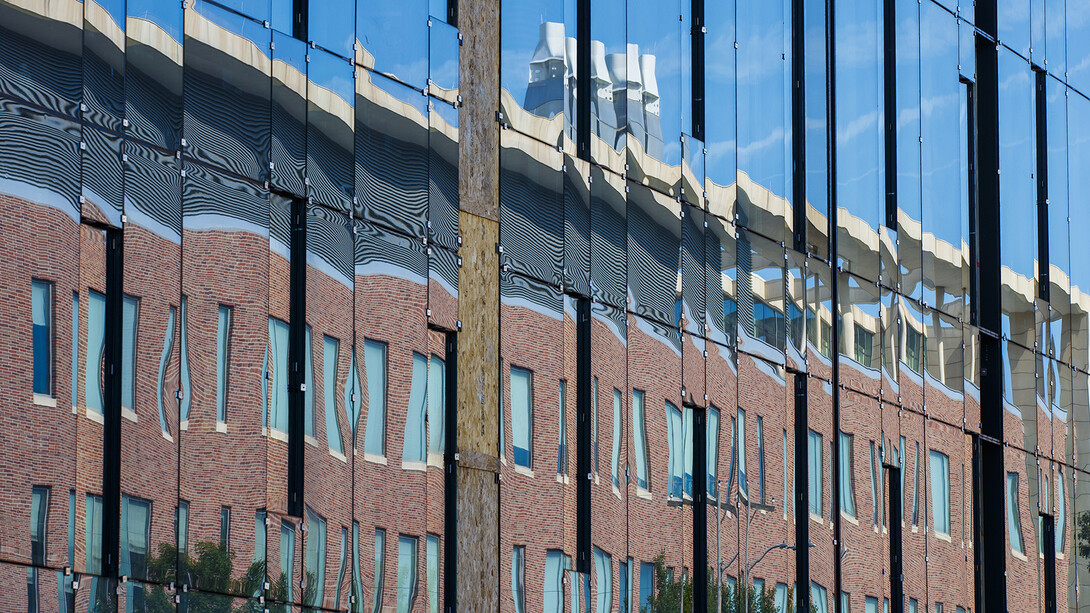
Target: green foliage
[
  {"x": 1082, "y": 534},
  {"x": 675, "y": 595},
  {"x": 209, "y": 572}
]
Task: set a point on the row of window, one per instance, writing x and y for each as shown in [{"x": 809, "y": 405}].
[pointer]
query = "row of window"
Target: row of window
[
  {"x": 136, "y": 556},
  {"x": 579, "y": 595},
  {"x": 425, "y": 422},
  {"x": 680, "y": 460}
]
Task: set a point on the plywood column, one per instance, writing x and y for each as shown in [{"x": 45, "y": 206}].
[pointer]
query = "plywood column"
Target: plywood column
[{"x": 478, "y": 498}]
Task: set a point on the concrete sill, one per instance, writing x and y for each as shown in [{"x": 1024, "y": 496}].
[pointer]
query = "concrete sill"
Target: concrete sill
[
  {"x": 375, "y": 459},
  {"x": 94, "y": 416},
  {"x": 414, "y": 465},
  {"x": 522, "y": 470},
  {"x": 642, "y": 493},
  {"x": 129, "y": 414},
  {"x": 340, "y": 456},
  {"x": 221, "y": 427},
  {"x": 45, "y": 401}
]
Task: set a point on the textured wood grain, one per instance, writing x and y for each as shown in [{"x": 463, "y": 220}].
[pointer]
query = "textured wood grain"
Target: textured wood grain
[
  {"x": 479, "y": 83},
  {"x": 478, "y": 495}
]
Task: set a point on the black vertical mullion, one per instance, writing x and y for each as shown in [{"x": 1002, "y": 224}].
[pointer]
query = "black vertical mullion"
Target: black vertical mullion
[
  {"x": 699, "y": 30},
  {"x": 1041, "y": 106},
  {"x": 890, "y": 108},
  {"x": 300, "y": 14},
  {"x": 802, "y": 495},
  {"x": 798, "y": 121},
  {"x": 452, "y": 12},
  {"x": 992, "y": 521},
  {"x": 450, "y": 490},
  {"x": 1048, "y": 534},
  {"x": 297, "y": 339},
  {"x": 111, "y": 378},
  {"x": 802, "y": 527},
  {"x": 582, "y": 79},
  {"x": 583, "y": 439},
  {"x": 896, "y": 571},
  {"x": 700, "y": 510},
  {"x": 974, "y": 249}
]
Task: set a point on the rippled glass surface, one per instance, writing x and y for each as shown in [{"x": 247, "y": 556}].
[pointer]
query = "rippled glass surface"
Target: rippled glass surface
[
  {"x": 576, "y": 225},
  {"x": 654, "y": 112},
  {"x": 654, "y": 241},
  {"x": 391, "y": 124},
  {"x": 288, "y": 116},
  {"x": 1014, "y": 25},
  {"x": 227, "y": 339},
  {"x": 227, "y": 70},
  {"x": 328, "y": 462},
  {"x": 860, "y": 178},
  {"x": 720, "y": 82},
  {"x": 330, "y": 25},
  {"x": 819, "y": 319},
  {"x": 531, "y": 207},
  {"x": 154, "y": 309},
  {"x": 721, "y": 277},
  {"x": 942, "y": 123},
  {"x": 817, "y": 130},
  {"x": 153, "y": 72},
  {"x": 392, "y": 38},
  {"x": 53, "y": 34},
  {"x": 611, "y": 62},
  {"x": 608, "y": 237},
  {"x": 1018, "y": 274},
  {"x": 762, "y": 171},
  {"x": 860, "y": 334},
  {"x": 762, "y": 327},
  {"x": 443, "y": 265},
  {"x": 443, "y": 49},
  {"x": 104, "y": 63},
  {"x": 905, "y": 267},
  {"x": 537, "y": 53},
  {"x": 443, "y": 174},
  {"x": 330, "y": 125},
  {"x": 693, "y": 270},
  {"x": 102, "y": 185}
]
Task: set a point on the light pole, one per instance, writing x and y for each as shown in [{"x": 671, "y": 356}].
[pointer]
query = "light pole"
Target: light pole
[
  {"x": 749, "y": 519},
  {"x": 718, "y": 550}
]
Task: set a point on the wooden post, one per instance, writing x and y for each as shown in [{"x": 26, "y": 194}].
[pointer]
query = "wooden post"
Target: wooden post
[{"x": 478, "y": 496}]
